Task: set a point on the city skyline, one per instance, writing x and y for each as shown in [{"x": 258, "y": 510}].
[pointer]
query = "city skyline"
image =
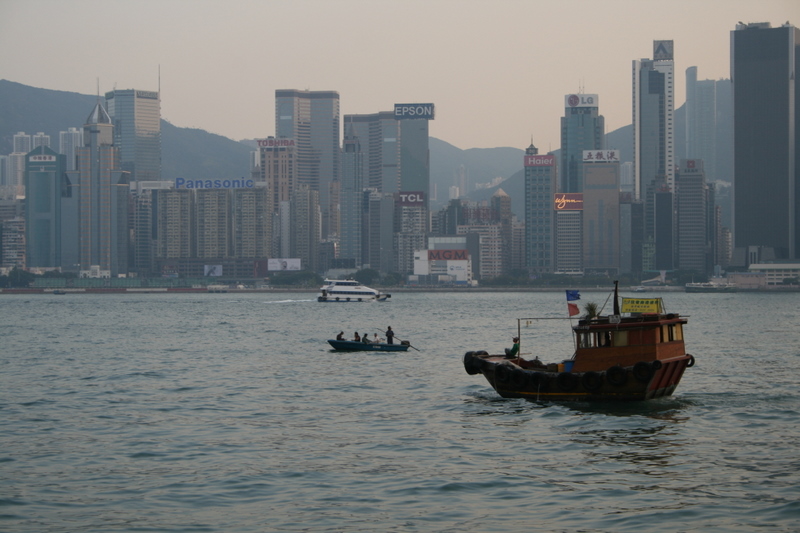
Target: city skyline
[{"x": 498, "y": 72}]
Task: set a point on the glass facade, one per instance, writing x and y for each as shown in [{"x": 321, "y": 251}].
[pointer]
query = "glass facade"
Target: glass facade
[{"x": 136, "y": 116}]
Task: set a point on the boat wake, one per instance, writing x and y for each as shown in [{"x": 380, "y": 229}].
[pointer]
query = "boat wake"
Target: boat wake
[{"x": 289, "y": 301}]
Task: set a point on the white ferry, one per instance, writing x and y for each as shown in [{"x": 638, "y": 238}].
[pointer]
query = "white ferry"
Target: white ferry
[{"x": 348, "y": 290}]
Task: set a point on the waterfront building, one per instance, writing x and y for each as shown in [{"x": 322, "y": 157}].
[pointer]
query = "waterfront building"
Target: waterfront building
[
  {"x": 601, "y": 234},
  {"x": 351, "y": 198},
  {"x": 764, "y": 66},
  {"x": 96, "y": 207},
  {"x": 136, "y": 116},
  {"x": 311, "y": 118},
  {"x": 45, "y": 182},
  {"x": 582, "y": 128},
  {"x": 379, "y": 141},
  {"x": 695, "y": 235},
  {"x": 12, "y": 238},
  {"x": 305, "y": 227},
  {"x": 540, "y": 186}
]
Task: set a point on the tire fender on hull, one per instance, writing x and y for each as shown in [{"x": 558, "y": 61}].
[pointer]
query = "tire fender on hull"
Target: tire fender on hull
[{"x": 617, "y": 376}]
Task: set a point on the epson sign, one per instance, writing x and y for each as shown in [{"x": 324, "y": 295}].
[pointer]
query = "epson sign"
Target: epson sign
[{"x": 408, "y": 111}]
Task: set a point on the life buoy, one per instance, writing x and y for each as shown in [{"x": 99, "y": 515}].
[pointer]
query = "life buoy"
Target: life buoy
[
  {"x": 482, "y": 352},
  {"x": 471, "y": 364},
  {"x": 537, "y": 382},
  {"x": 656, "y": 365},
  {"x": 567, "y": 381},
  {"x": 691, "y": 361},
  {"x": 643, "y": 371},
  {"x": 617, "y": 376},
  {"x": 592, "y": 381}
]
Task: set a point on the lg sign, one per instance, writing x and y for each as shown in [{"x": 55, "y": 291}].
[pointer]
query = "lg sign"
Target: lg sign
[
  {"x": 540, "y": 160},
  {"x": 411, "y": 198},
  {"x": 581, "y": 100}
]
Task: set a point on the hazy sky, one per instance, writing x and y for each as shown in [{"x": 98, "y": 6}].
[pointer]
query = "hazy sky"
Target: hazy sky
[{"x": 497, "y": 70}]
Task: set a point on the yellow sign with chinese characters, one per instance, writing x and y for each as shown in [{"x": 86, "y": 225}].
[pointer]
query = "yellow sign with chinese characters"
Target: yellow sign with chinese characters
[{"x": 641, "y": 305}]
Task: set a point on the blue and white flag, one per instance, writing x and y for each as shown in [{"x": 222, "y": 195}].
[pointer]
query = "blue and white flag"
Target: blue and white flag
[{"x": 573, "y": 295}]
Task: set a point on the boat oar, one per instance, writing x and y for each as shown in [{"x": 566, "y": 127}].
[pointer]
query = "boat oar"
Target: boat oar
[{"x": 401, "y": 340}]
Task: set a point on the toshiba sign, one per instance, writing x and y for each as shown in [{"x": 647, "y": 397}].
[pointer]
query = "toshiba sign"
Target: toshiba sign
[
  {"x": 274, "y": 143},
  {"x": 540, "y": 160}
]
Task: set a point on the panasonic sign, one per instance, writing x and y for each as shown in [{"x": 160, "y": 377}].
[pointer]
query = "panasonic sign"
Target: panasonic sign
[
  {"x": 241, "y": 183},
  {"x": 408, "y": 111}
]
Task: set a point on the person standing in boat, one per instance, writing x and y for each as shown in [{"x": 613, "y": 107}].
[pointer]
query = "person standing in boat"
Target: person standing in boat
[
  {"x": 514, "y": 350},
  {"x": 340, "y": 336},
  {"x": 389, "y": 335}
]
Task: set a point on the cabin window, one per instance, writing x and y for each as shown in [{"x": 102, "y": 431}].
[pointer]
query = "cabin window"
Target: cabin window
[
  {"x": 584, "y": 340},
  {"x": 678, "y": 332},
  {"x": 620, "y": 338},
  {"x": 603, "y": 339}
]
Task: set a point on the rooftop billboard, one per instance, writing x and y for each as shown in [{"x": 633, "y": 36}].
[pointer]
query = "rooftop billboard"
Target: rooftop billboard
[{"x": 408, "y": 111}]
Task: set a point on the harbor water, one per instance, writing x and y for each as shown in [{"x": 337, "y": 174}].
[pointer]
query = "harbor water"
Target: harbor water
[{"x": 230, "y": 413}]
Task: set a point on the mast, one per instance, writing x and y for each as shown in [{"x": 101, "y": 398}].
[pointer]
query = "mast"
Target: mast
[{"x": 616, "y": 299}]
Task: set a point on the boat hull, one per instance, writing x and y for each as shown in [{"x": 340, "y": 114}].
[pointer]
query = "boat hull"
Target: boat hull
[
  {"x": 347, "y": 299},
  {"x": 353, "y": 346},
  {"x": 645, "y": 380}
]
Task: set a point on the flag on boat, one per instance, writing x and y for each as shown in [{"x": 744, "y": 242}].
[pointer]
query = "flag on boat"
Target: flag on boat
[{"x": 572, "y": 296}]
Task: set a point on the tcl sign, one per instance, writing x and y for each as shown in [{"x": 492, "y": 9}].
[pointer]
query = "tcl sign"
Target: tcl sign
[
  {"x": 540, "y": 160},
  {"x": 411, "y": 198}
]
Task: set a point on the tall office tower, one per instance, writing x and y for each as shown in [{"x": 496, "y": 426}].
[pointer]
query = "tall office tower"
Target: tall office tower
[
  {"x": 311, "y": 119},
  {"x": 351, "y": 199},
  {"x": 765, "y": 62},
  {"x": 415, "y": 171},
  {"x": 653, "y": 117},
  {"x": 44, "y": 183},
  {"x": 305, "y": 227},
  {"x": 654, "y": 149},
  {"x": 136, "y": 116},
  {"x": 540, "y": 186},
  {"x": 582, "y": 128},
  {"x": 601, "y": 234},
  {"x": 490, "y": 248},
  {"x": 410, "y": 229},
  {"x": 694, "y": 234},
  {"x": 68, "y": 142},
  {"x": 278, "y": 167},
  {"x": 501, "y": 205},
  {"x": 378, "y": 137},
  {"x": 100, "y": 189}
]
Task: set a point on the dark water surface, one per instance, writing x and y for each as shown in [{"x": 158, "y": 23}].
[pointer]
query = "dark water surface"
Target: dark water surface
[{"x": 228, "y": 413}]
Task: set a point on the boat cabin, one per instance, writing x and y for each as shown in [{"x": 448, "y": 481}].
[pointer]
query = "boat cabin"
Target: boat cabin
[{"x": 615, "y": 340}]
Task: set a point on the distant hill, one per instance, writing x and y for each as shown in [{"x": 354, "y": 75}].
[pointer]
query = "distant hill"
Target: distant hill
[{"x": 185, "y": 152}]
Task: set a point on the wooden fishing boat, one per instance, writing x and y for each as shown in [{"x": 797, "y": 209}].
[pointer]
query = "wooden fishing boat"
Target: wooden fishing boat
[
  {"x": 625, "y": 356},
  {"x": 358, "y": 346}
]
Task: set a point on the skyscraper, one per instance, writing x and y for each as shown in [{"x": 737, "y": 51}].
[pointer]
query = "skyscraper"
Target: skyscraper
[
  {"x": 582, "y": 128},
  {"x": 351, "y": 199},
  {"x": 311, "y": 119},
  {"x": 540, "y": 186},
  {"x": 765, "y": 62},
  {"x": 692, "y": 201},
  {"x": 44, "y": 183},
  {"x": 101, "y": 190},
  {"x": 136, "y": 116},
  {"x": 68, "y": 142},
  {"x": 654, "y": 151},
  {"x": 653, "y": 117}
]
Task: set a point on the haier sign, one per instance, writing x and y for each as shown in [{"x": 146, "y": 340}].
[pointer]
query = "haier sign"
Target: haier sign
[
  {"x": 408, "y": 111},
  {"x": 540, "y": 160}
]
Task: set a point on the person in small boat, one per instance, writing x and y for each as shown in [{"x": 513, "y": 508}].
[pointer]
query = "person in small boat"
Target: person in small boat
[
  {"x": 356, "y": 337},
  {"x": 365, "y": 338},
  {"x": 340, "y": 336},
  {"x": 389, "y": 335},
  {"x": 514, "y": 350},
  {"x": 376, "y": 339}
]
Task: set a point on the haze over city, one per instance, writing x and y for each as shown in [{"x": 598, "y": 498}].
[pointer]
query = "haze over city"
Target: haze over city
[{"x": 496, "y": 71}]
